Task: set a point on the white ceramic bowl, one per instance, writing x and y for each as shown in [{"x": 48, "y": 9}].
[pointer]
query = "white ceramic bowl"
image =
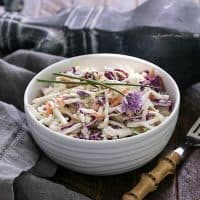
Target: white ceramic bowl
[{"x": 102, "y": 157}]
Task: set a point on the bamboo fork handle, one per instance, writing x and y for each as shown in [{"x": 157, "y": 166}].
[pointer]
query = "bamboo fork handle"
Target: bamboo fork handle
[{"x": 150, "y": 181}]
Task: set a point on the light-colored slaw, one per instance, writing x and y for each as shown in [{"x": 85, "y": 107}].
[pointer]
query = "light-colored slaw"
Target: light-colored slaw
[{"x": 95, "y": 112}]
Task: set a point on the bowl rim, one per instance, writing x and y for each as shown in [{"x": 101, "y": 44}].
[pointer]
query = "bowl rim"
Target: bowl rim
[{"x": 97, "y": 142}]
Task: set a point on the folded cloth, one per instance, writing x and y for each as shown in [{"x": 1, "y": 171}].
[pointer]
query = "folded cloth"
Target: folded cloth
[
  {"x": 23, "y": 167},
  {"x": 18, "y": 70}
]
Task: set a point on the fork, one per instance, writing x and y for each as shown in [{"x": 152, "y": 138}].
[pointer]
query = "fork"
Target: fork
[{"x": 167, "y": 165}]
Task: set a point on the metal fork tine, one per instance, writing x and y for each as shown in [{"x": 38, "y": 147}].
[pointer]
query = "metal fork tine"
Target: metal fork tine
[{"x": 195, "y": 129}]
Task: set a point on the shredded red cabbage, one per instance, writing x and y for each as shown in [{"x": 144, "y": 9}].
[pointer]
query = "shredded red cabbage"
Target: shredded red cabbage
[
  {"x": 77, "y": 105},
  {"x": 88, "y": 75},
  {"x": 92, "y": 122},
  {"x": 155, "y": 81},
  {"x": 95, "y": 136},
  {"x": 101, "y": 100},
  {"x": 109, "y": 75},
  {"x": 74, "y": 70},
  {"x": 67, "y": 126},
  {"x": 120, "y": 77},
  {"x": 82, "y": 93},
  {"x": 65, "y": 97},
  {"x": 132, "y": 103}
]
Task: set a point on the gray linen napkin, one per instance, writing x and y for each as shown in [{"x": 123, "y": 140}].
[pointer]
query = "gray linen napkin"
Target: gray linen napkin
[{"x": 23, "y": 167}]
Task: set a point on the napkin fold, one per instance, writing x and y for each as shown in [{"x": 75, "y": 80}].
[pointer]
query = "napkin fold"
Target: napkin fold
[{"x": 24, "y": 169}]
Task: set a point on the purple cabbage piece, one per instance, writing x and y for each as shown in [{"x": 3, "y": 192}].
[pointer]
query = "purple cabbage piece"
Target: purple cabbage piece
[
  {"x": 91, "y": 75},
  {"x": 155, "y": 81},
  {"x": 95, "y": 136},
  {"x": 132, "y": 103},
  {"x": 120, "y": 77},
  {"x": 71, "y": 69},
  {"x": 101, "y": 100},
  {"x": 109, "y": 75},
  {"x": 82, "y": 93},
  {"x": 75, "y": 71},
  {"x": 88, "y": 75},
  {"x": 65, "y": 97},
  {"x": 67, "y": 126},
  {"x": 77, "y": 105},
  {"x": 149, "y": 116},
  {"x": 92, "y": 122}
]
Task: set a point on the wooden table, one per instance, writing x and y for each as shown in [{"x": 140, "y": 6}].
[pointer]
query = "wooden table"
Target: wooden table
[{"x": 184, "y": 185}]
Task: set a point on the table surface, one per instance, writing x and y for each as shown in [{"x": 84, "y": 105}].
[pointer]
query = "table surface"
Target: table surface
[{"x": 183, "y": 185}]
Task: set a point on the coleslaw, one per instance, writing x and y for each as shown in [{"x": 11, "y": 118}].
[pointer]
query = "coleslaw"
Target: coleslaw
[{"x": 122, "y": 104}]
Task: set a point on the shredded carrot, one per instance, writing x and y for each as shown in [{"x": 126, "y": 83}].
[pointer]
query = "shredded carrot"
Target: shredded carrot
[
  {"x": 115, "y": 101},
  {"x": 66, "y": 79},
  {"x": 49, "y": 108},
  {"x": 152, "y": 72},
  {"x": 96, "y": 106},
  {"x": 151, "y": 97},
  {"x": 99, "y": 116},
  {"x": 125, "y": 91}
]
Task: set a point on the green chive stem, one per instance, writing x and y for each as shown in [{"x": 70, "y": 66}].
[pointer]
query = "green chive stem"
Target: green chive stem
[
  {"x": 63, "y": 82},
  {"x": 129, "y": 84},
  {"x": 93, "y": 82},
  {"x": 83, "y": 79}
]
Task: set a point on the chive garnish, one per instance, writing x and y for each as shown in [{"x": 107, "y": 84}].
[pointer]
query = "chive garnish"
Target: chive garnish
[
  {"x": 91, "y": 82},
  {"x": 125, "y": 84},
  {"x": 63, "y": 82},
  {"x": 129, "y": 84}
]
